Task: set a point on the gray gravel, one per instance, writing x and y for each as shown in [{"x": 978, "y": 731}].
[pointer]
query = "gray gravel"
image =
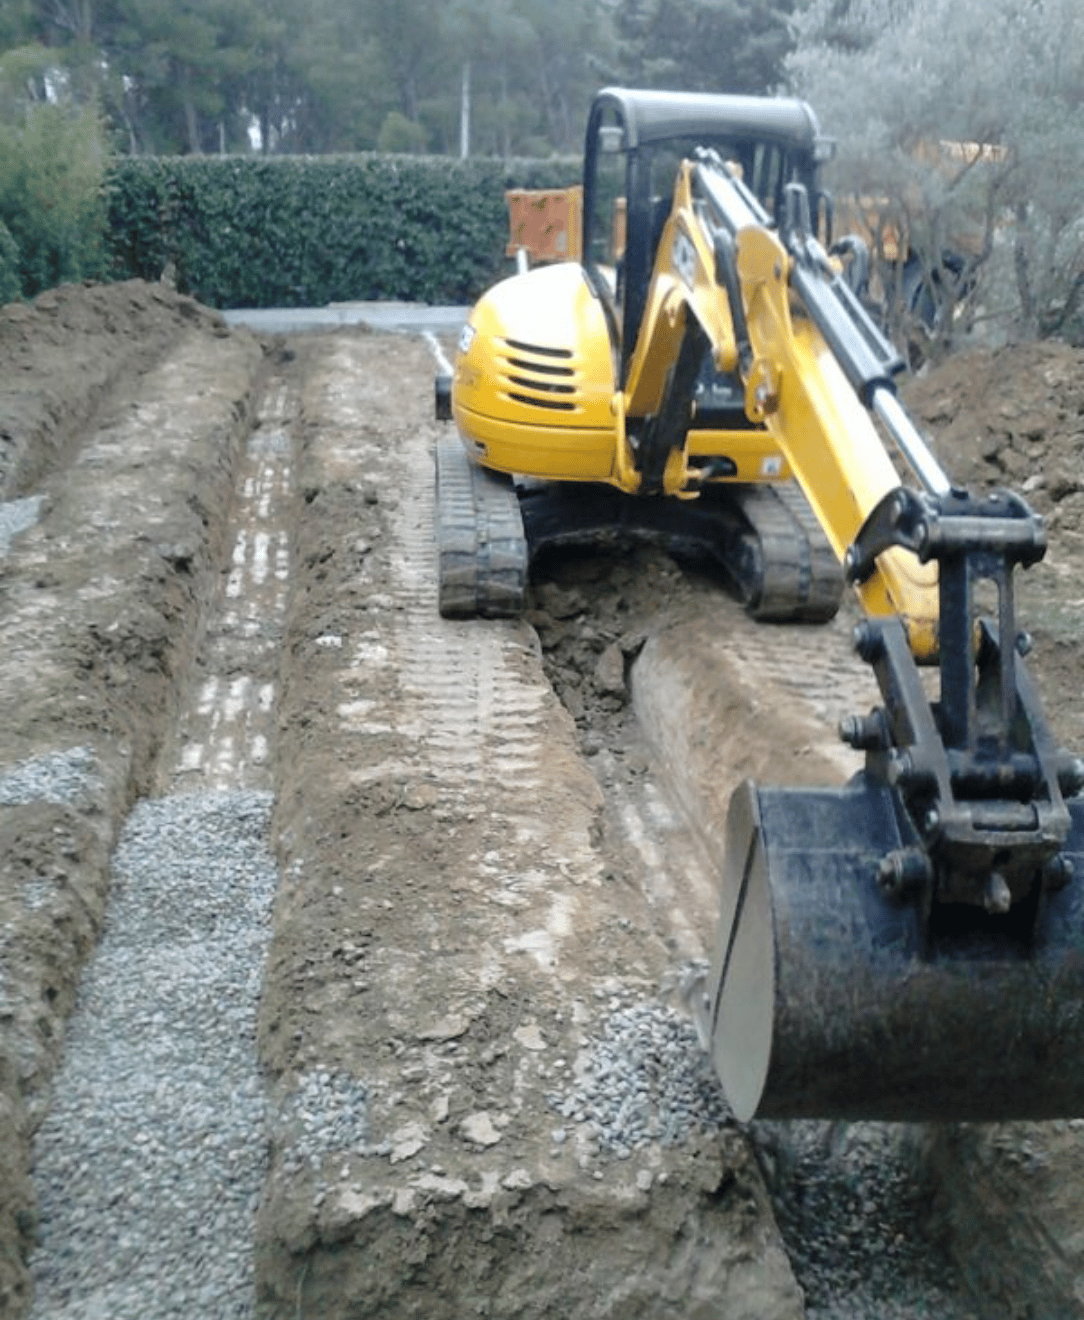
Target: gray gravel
[
  {"x": 150, "y": 1163},
  {"x": 324, "y": 1114},
  {"x": 15, "y": 517},
  {"x": 854, "y": 1208},
  {"x": 70, "y": 777},
  {"x": 641, "y": 1078},
  {"x": 850, "y": 1199}
]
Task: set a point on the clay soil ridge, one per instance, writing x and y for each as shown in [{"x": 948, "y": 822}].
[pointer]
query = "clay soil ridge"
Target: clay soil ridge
[{"x": 449, "y": 943}]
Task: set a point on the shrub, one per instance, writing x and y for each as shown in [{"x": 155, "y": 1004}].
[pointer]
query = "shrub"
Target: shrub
[
  {"x": 401, "y": 135},
  {"x": 52, "y": 167},
  {"x": 305, "y": 231},
  {"x": 11, "y": 285}
]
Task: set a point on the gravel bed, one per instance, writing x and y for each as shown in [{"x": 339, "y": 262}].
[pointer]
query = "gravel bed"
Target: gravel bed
[
  {"x": 642, "y": 1077},
  {"x": 15, "y": 517},
  {"x": 854, "y": 1210},
  {"x": 69, "y": 777},
  {"x": 150, "y": 1163}
]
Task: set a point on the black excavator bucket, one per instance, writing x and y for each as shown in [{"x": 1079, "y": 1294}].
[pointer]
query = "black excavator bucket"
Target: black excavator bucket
[{"x": 830, "y": 999}]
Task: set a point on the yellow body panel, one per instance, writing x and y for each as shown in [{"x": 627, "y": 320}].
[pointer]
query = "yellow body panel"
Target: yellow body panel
[
  {"x": 828, "y": 437},
  {"x": 757, "y": 455},
  {"x": 547, "y": 328},
  {"x": 683, "y": 285},
  {"x": 554, "y": 453},
  {"x": 533, "y": 389}
]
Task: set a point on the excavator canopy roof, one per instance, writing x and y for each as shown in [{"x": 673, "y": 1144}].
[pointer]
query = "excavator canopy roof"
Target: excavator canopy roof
[{"x": 655, "y": 116}]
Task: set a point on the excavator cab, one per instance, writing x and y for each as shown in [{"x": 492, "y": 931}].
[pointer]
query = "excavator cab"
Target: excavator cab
[{"x": 634, "y": 147}]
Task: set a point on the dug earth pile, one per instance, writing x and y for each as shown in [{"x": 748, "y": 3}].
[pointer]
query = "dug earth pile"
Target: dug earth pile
[{"x": 479, "y": 1095}]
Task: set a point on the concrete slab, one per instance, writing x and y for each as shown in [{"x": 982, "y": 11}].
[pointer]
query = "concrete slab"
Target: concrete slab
[{"x": 413, "y": 318}]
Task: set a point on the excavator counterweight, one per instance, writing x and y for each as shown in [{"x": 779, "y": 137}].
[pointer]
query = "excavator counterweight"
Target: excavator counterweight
[{"x": 705, "y": 373}]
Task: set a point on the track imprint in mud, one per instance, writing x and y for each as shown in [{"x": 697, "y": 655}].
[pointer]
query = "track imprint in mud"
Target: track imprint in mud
[{"x": 225, "y": 732}]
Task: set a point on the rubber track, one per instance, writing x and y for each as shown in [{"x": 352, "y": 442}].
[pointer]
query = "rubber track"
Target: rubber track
[
  {"x": 796, "y": 577},
  {"x": 481, "y": 547}
]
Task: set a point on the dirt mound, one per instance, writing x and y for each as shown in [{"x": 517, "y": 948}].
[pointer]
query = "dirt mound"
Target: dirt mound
[
  {"x": 1011, "y": 417},
  {"x": 62, "y": 353}
]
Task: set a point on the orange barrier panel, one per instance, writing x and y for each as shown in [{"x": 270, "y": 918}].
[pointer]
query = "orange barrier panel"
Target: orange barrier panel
[{"x": 546, "y": 222}]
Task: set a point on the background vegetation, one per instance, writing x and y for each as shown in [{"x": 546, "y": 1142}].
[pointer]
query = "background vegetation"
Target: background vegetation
[
  {"x": 958, "y": 123},
  {"x": 52, "y": 167},
  {"x": 991, "y": 238},
  {"x": 174, "y": 76},
  {"x": 306, "y": 231}
]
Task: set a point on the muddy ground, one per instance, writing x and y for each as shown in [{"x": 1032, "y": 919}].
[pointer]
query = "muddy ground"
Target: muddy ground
[{"x": 392, "y": 829}]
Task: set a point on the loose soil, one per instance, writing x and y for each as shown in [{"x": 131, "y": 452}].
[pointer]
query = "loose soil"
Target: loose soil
[{"x": 393, "y": 832}]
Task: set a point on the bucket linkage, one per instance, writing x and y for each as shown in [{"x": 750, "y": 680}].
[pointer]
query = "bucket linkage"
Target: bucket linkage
[{"x": 911, "y": 946}]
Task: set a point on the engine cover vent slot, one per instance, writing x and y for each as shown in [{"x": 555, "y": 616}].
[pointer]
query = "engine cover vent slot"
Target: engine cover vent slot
[
  {"x": 562, "y": 405},
  {"x": 543, "y": 368},
  {"x": 520, "y": 346},
  {"x": 540, "y": 377}
]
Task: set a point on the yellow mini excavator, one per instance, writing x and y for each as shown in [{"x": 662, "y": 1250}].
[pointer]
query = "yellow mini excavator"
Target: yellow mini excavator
[{"x": 911, "y": 945}]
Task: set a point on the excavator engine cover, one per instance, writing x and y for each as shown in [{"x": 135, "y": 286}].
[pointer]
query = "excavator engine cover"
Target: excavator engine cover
[{"x": 829, "y": 999}]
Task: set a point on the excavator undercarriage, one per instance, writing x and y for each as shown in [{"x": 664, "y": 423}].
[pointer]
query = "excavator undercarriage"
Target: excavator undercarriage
[
  {"x": 491, "y": 528},
  {"x": 703, "y": 374}
]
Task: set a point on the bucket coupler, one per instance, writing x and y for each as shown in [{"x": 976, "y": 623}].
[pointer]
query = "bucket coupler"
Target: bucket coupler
[
  {"x": 976, "y": 772},
  {"x": 911, "y": 947}
]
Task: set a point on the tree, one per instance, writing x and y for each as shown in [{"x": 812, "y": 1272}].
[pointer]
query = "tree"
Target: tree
[
  {"x": 703, "y": 45},
  {"x": 52, "y": 163},
  {"x": 322, "y": 84},
  {"x": 183, "y": 66},
  {"x": 493, "y": 42},
  {"x": 995, "y": 228},
  {"x": 571, "y": 43}
]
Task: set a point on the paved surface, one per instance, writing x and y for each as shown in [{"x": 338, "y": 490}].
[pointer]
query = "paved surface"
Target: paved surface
[{"x": 413, "y": 317}]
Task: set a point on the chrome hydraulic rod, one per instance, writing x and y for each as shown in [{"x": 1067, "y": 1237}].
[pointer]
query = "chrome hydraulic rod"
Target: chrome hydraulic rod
[{"x": 909, "y": 442}]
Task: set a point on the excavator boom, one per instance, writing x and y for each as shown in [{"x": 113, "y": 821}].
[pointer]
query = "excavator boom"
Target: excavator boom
[{"x": 906, "y": 947}]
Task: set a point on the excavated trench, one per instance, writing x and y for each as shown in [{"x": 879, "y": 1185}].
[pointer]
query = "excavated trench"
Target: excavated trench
[
  {"x": 713, "y": 698},
  {"x": 380, "y": 1021},
  {"x": 150, "y": 1162}
]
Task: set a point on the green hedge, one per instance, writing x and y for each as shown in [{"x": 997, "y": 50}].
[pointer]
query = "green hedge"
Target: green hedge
[{"x": 305, "y": 231}]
